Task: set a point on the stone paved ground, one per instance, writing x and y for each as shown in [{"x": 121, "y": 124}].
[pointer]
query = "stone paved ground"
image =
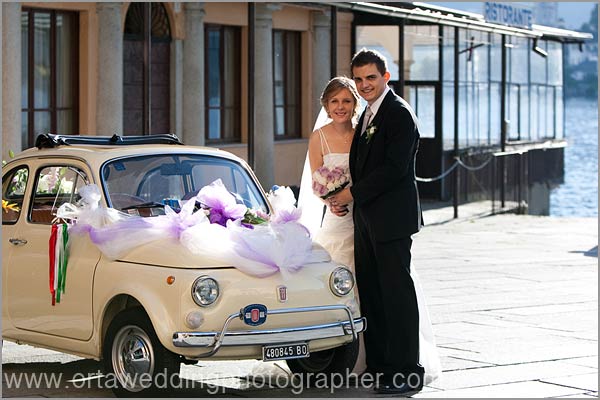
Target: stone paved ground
[
  {"x": 514, "y": 305},
  {"x": 513, "y": 301}
]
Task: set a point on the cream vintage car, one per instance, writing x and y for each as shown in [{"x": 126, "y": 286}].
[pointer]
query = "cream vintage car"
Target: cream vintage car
[{"x": 128, "y": 291}]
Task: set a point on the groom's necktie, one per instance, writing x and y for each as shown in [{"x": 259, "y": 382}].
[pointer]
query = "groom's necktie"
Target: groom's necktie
[
  {"x": 362, "y": 148},
  {"x": 367, "y": 120}
]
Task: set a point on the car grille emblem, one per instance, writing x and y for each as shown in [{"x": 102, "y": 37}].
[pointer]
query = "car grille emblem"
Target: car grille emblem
[
  {"x": 282, "y": 294},
  {"x": 254, "y": 314}
]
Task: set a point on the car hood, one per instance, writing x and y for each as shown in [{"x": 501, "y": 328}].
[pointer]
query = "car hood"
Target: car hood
[{"x": 175, "y": 255}]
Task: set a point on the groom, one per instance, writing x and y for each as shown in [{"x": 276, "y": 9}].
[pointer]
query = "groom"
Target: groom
[{"x": 386, "y": 214}]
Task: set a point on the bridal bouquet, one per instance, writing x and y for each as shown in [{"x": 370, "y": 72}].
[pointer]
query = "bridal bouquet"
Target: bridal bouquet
[{"x": 327, "y": 182}]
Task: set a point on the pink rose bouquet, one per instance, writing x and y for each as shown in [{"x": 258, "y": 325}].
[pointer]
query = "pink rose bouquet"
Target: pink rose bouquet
[{"x": 327, "y": 182}]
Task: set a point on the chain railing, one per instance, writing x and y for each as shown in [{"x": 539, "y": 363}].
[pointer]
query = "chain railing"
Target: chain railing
[
  {"x": 518, "y": 179},
  {"x": 453, "y": 166}
]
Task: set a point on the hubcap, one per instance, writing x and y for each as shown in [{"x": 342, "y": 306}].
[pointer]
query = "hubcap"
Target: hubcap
[{"x": 132, "y": 357}]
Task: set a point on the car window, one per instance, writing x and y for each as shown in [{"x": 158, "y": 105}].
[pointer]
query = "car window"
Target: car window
[
  {"x": 13, "y": 190},
  {"x": 205, "y": 174},
  {"x": 134, "y": 183},
  {"x": 55, "y": 185}
]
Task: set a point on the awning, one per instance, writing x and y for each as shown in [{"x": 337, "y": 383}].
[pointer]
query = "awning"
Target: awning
[
  {"x": 562, "y": 35},
  {"x": 417, "y": 11},
  {"x": 435, "y": 16}
]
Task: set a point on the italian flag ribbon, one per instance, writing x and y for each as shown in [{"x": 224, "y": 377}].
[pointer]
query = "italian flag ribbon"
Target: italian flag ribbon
[{"x": 58, "y": 259}]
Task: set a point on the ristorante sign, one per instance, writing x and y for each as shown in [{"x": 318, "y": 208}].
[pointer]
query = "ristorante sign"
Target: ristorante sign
[{"x": 512, "y": 14}]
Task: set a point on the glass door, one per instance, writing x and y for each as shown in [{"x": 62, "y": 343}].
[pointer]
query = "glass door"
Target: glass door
[{"x": 424, "y": 98}]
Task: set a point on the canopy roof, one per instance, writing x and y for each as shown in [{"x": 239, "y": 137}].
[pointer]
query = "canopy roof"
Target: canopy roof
[{"x": 418, "y": 11}]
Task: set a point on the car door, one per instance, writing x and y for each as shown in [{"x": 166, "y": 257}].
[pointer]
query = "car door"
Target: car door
[
  {"x": 25, "y": 267},
  {"x": 14, "y": 185}
]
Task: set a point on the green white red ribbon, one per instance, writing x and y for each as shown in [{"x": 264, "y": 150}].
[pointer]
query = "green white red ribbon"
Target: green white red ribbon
[{"x": 58, "y": 259}]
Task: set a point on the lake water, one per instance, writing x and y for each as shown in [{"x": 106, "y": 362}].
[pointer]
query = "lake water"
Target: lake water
[{"x": 578, "y": 196}]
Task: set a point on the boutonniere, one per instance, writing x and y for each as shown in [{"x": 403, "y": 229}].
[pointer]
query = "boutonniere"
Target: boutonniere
[{"x": 370, "y": 131}]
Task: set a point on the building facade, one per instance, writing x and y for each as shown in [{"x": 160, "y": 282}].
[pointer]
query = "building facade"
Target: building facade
[
  {"x": 246, "y": 77},
  {"x": 144, "y": 68}
]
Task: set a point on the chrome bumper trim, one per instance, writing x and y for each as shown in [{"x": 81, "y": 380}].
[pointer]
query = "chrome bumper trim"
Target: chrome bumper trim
[
  {"x": 271, "y": 336},
  {"x": 349, "y": 327}
]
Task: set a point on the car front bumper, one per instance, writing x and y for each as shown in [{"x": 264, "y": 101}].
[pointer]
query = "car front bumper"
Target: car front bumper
[{"x": 217, "y": 339}]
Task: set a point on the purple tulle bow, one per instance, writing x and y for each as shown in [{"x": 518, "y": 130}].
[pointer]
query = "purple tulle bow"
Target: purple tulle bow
[{"x": 221, "y": 203}]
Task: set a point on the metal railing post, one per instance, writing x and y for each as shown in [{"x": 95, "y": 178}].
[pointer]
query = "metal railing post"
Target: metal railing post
[
  {"x": 493, "y": 185},
  {"x": 503, "y": 121},
  {"x": 519, "y": 168},
  {"x": 526, "y": 179},
  {"x": 456, "y": 116}
]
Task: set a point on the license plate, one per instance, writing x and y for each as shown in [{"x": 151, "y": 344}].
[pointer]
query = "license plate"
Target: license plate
[{"x": 285, "y": 351}]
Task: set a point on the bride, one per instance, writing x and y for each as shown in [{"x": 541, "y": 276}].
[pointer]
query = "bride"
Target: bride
[{"x": 329, "y": 145}]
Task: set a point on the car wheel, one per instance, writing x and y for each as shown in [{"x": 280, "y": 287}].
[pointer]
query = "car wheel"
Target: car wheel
[
  {"x": 333, "y": 365},
  {"x": 135, "y": 362}
]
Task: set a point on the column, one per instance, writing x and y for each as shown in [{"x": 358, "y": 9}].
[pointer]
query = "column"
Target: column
[
  {"x": 321, "y": 55},
  {"x": 193, "y": 75},
  {"x": 109, "y": 103},
  {"x": 11, "y": 79},
  {"x": 344, "y": 43},
  {"x": 176, "y": 89},
  {"x": 264, "y": 142}
]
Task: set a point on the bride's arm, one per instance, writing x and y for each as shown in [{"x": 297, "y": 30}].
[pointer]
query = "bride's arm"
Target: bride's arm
[{"x": 315, "y": 155}]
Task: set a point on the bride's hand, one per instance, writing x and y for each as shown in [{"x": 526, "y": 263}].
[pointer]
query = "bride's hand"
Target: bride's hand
[
  {"x": 340, "y": 211},
  {"x": 342, "y": 198}
]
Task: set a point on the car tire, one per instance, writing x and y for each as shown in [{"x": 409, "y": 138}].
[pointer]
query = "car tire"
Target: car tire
[
  {"x": 135, "y": 362},
  {"x": 333, "y": 365}
]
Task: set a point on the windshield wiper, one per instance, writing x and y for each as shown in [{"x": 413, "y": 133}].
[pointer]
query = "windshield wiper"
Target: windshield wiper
[{"x": 150, "y": 204}]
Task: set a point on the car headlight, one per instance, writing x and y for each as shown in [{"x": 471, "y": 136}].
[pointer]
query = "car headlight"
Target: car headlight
[
  {"x": 341, "y": 281},
  {"x": 205, "y": 291}
]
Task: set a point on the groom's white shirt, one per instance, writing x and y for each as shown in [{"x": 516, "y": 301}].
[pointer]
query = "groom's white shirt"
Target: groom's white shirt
[{"x": 377, "y": 103}]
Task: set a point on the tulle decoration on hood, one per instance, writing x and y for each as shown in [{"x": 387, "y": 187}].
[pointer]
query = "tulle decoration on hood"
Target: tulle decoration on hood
[{"x": 215, "y": 230}]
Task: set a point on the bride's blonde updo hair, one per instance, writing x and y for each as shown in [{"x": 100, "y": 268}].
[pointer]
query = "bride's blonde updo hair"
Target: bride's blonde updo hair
[{"x": 334, "y": 86}]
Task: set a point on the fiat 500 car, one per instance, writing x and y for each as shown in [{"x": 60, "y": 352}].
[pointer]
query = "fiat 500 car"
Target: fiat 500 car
[{"x": 146, "y": 253}]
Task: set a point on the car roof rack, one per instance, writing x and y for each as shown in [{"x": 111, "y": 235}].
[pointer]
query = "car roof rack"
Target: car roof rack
[{"x": 48, "y": 140}]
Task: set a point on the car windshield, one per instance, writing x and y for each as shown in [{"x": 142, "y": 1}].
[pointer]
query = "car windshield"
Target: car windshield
[{"x": 142, "y": 185}]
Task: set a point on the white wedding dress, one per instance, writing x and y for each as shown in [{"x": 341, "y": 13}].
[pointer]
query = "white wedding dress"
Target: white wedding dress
[{"x": 336, "y": 235}]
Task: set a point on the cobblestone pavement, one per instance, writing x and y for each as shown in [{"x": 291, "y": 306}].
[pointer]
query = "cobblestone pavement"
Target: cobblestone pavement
[{"x": 514, "y": 305}]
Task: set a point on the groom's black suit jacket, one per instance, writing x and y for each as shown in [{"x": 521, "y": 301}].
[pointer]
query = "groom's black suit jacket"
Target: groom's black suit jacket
[{"x": 384, "y": 189}]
